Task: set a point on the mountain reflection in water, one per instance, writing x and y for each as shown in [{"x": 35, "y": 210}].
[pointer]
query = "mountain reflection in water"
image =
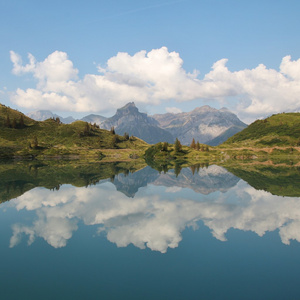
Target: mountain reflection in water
[{"x": 151, "y": 209}]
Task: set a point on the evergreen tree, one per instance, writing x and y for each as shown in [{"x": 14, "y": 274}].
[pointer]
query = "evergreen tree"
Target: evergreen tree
[
  {"x": 114, "y": 142},
  {"x": 112, "y": 130},
  {"x": 165, "y": 146},
  {"x": 177, "y": 145},
  {"x": 193, "y": 144},
  {"x": 193, "y": 169},
  {"x": 159, "y": 146},
  {"x": 21, "y": 122},
  {"x": 198, "y": 146},
  {"x": 14, "y": 123},
  {"x": 87, "y": 129},
  {"x": 7, "y": 123},
  {"x": 165, "y": 168},
  {"x": 177, "y": 169}
]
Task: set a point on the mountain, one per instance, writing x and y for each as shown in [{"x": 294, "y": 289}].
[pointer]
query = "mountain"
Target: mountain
[
  {"x": 278, "y": 130},
  {"x": 42, "y": 115},
  {"x": 205, "y": 124},
  {"x": 94, "y": 119},
  {"x": 129, "y": 119}
]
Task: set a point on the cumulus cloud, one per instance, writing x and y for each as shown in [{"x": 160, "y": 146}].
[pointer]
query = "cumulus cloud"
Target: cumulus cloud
[{"x": 156, "y": 76}]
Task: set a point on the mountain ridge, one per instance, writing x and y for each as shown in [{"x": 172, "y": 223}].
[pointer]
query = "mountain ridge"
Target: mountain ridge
[{"x": 205, "y": 124}]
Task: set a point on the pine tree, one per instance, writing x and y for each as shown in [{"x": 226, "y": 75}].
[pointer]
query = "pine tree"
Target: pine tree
[
  {"x": 177, "y": 169},
  {"x": 177, "y": 146},
  {"x": 14, "y": 123},
  {"x": 87, "y": 129},
  {"x": 198, "y": 146},
  {"x": 114, "y": 142},
  {"x": 165, "y": 146},
  {"x": 21, "y": 122},
  {"x": 193, "y": 169},
  {"x": 7, "y": 123},
  {"x": 112, "y": 130},
  {"x": 193, "y": 144}
]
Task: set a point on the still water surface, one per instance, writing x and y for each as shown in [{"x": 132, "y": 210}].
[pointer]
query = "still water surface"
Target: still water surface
[{"x": 150, "y": 235}]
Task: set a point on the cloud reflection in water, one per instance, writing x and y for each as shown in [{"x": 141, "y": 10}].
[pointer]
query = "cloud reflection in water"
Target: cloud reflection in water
[{"x": 153, "y": 218}]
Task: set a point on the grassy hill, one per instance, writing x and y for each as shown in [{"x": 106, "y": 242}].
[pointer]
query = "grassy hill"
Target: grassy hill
[
  {"x": 22, "y": 136},
  {"x": 278, "y": 130}
]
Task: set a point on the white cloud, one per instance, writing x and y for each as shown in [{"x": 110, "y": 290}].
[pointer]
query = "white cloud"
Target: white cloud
[{"x": 153, "y": 77}]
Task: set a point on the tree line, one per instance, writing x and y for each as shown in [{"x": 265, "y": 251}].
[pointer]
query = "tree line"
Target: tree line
[{"x": 14, "y": 123}]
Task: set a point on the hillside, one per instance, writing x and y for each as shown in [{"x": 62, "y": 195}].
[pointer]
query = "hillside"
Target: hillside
[
  {"x": 278, "y": 130},
  {"x": 22, "y": 136}
]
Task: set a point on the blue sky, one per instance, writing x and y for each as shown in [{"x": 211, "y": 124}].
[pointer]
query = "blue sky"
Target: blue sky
[{"x": 95, "y": 56}]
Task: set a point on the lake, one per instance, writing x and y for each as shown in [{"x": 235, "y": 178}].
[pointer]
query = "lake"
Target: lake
[{"x": 111, "y": 232}]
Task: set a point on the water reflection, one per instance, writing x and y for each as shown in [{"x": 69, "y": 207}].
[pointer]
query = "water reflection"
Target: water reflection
[{"x": 152, "y": 209}]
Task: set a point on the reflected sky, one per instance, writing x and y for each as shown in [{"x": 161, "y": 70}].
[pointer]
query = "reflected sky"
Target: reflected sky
[{"x": 155, "y": 212}]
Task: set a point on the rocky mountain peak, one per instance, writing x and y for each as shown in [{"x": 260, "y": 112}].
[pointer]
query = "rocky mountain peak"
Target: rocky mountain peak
[
  {"x": 129, "y": 119},
  {"x": 203, "y": 109},
  {"x": 129, "y": 108}
]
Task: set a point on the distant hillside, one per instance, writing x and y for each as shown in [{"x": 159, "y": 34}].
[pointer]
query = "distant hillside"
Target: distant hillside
[
  {"x": 129, "y": 119},
  {"x": 278, "y": 130},
  {"x": 205, "y": 124},
  {"x": 22, "y": 136}
]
